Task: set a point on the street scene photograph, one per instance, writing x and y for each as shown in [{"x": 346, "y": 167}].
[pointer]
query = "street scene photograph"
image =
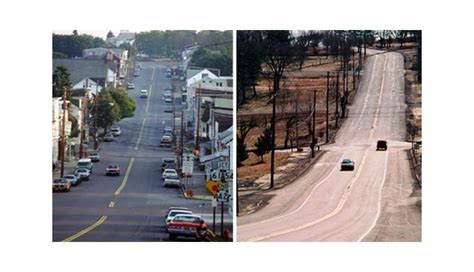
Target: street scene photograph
[
  {"x": 142, "y": 136},
  {"x": 329, "y": 136}
]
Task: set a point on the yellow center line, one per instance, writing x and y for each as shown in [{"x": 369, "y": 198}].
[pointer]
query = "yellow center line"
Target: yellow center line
[
  {"x": 125, "y": 179},
  {"x": 140, "y": 135},
  {"x": 86, "y": 230}
]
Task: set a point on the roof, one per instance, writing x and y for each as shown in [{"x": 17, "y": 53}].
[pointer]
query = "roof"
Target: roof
[
  {"x": 82, "y": 68},
  {"x": 211, "y": 157},
  {"x": 99, "y": 52}
]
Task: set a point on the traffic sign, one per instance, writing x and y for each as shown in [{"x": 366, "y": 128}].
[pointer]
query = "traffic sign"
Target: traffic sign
[{"x": 223, "y": 196}]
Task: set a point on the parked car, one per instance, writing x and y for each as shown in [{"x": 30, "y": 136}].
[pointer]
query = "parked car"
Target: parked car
[
  {"x": 168, "y": 99},
  {"x": 184, "y": 225},
  {"x": 72, "y": 179},
  {"x": 115, "y": 131},
  {"x": 130, "y": 86},
  {"x": 173, "y": 212},
  {"x": 381, "y": 145},
  {"x": 168, "y": 108},
  {"x": 94, "y": 156},
  {"x": 172, "y": 180},
  {"x": 167, "y": 161},
  {"x": 61, "y": 184},
  {"x": 112, "y": 170},
  {"x": 83, "y": 173},
  {"x": 85, "y": 163},
  {"x": 169, "y": 172},
  {"x": 109, "y": 137},
  {"x": 347, "y": 164},
  {"x": 166, "y": 141}
]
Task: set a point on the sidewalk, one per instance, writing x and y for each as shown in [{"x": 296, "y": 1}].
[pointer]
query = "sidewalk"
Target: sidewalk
[
  {"x": 196, "y": 189},
  {"x": 69, "y": 167}
]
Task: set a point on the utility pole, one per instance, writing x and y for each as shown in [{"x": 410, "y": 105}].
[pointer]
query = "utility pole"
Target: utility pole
[
  {"x": 198, "y": 119},
  {"x": 353, "y": 71},
  {"x": 63, "y": 134},
  {"x": 314, "y": 126},
  {"x": 327, "y": 109},
  {"x": 84, "y": 108},
  {"x": 337, "y": 99},
  {"x": 273, "y": 128}
]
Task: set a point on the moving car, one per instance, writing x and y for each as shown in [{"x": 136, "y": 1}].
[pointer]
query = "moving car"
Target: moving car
[
  {"x": 173, "y": 212},
  {"x": 171, "y": 180},
  {"x": 112, "y": 170},
  {"x": 166, "y": 141},
  {"x": 109, "y": 137},
  {"x": 61, "y": 184},
  {"x": 347, "y": 164},
  {"x": 381, "y": 145},
  {"x": 130, "y": 86},
  {"x": 72, "y": 179},
  {"x": 115, "y": 131},
  {"x": 82, "y": 173},
  {"x": 184, "y": 225},
  {"x": 85, "y": 163},
  {"x": 143, "y": 93},
  {"x": 94, "y": 156},
  {"x": 169, "y": 172}
]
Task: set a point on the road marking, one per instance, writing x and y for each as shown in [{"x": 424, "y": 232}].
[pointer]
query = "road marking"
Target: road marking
[
  {"x": 111, "y": 204},
  {"x": 153, "y": 73},
  {"x": 338, "y": 208},
  {"x": 379, "y": 203},
  {"x": 372, "y": 130},
  {"x": 125, "y": 179},
  {"x": 140, "y": 135},
  {"x": 304, "y": 202},
  {"x": 148, "y": 100},
  {"x": 86, "y": 230}
]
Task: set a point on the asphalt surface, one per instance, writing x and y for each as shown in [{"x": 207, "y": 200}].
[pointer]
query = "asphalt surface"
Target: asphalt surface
[
  {"x": 129, "y": 207},
  {"x": 326, "y": 204}
]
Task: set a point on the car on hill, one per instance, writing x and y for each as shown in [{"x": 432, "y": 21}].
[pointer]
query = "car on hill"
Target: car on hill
[
  {"x": 112, "y": 170},
  {"x": 61, "y": 185},
  {"x": 169, "y": 172},
  {"x": 72, "y": 178},
  {"x": 381, "y": 145},
  {"x": 171, "y": 180},
  {"x": 347, "y": 164},
  {"x": 173, "y": 212},
  {"x": 83, "y": 173},
  {"x": 166, "y": 141},
  {"x": 115, "y": 131},
  {"x": 166, "y": 162},
  {"x": 94, "y": 156},
  {"x": 109, "y": 137},
  {"x": 186, "y": 225}
]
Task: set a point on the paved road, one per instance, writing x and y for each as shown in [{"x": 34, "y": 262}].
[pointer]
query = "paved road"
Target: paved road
[
  {"x": 129, "y": 207},
  {"x": 326, "y": 204}
]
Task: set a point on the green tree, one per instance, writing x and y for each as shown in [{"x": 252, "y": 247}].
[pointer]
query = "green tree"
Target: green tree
[
  {"x": 61, "y": 82},
  {"x": 264, "y": 143},
  {"x": 212, "y": 59},
  {"x": 242, "y": 154},
  {"x": 126, "y": 104},
  {"x": 249, "y": 61},
  {"x": 73, "y": 45},
  {"x": 108, "y": 111}
]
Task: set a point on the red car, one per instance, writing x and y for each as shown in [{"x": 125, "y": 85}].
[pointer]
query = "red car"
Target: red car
[
  {"x": 112, "y": 170},
  {"x": 184, "y": 225}
]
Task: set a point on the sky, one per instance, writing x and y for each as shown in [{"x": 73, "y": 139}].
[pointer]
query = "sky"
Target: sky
[{"x": 96, "y": 33}]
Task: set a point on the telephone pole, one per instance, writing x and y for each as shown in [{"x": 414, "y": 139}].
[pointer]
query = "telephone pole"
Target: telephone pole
[
  {"x": 273, "y": 128},
  {"x": 337, "y": 98},
  {"x": 84, "y": 112},
  {"x": 327, "y": 109},
  {"x": 314, "y": 126},
  {"x": 63, "y": 134}
]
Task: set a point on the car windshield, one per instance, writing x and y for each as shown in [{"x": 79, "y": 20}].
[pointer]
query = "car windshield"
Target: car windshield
[{"x": 173, "y": 213}]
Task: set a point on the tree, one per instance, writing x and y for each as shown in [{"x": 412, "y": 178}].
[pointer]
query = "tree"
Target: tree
[
  {"x": 125, "y": 103},
  {"x": 264, "y": 143},
  {"x": 74, "y": 45},
  {"x": 249, "y": 60},
  {"x": 212, "y": 59},
  {"x": 61, "y": 82},
  {"x": 108, "y": 111},
  {"x": 242, "y": 154}
]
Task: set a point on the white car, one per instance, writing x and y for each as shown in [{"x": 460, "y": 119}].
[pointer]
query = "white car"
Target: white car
[
  {"x": 143, "y": 93},
  {"x": 116, "y": 131},
  {"x": 169, "y": 172},
  {"x": 72, "y": 179},
  {"x": 172, "y": 213},
  {"x": 171, "y": 180},
  {"x": 83, "y": 173}
]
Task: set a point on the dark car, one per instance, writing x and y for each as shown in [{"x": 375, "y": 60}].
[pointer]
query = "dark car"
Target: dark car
[
  {"x": 347, "y": 164},
  {"x": 381, "y": 145}
]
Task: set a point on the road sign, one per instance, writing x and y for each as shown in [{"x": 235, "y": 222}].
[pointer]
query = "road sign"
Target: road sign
[
  {"x": 188, "y": 163},
  {"x": 223, "y": 196},
  {"x": 217, "y": 174},
  {"x": 213, "y": 186}
]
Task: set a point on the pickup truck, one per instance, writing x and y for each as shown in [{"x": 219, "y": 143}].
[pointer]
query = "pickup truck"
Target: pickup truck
[{"x": 185, "y": 225}]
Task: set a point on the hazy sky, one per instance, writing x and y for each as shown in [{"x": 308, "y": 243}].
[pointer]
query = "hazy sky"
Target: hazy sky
[{"x": 96, "y": 33}]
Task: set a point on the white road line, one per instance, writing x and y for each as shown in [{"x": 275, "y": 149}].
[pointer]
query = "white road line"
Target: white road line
[{"x": 379, "y": 202}]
